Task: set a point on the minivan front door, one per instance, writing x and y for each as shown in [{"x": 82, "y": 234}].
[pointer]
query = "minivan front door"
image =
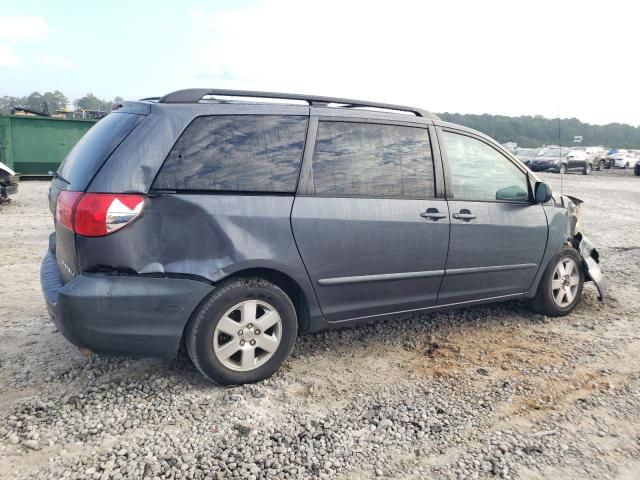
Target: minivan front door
[
  {"x": 370, "y": 230},
  {"x": 498, "y": 236}
]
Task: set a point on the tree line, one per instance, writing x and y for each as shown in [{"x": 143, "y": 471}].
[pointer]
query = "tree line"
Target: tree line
[
  {"x": 536, "y": 131},
  {"x": 49, "y": 102}
]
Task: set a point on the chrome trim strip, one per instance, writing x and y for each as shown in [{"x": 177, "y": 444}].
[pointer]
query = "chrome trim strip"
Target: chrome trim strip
[
  {"x": 493, "y": 268},
  {"x": 325, "y": 282},
  {"x": 435, "y": 307}
]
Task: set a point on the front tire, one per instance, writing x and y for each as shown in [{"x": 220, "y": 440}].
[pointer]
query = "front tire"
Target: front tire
[
  {"x": 243, "y": 332},
  {"x": 587, "y": 169},
  {"x": 563, "y": 169},
  {"x": 561, "y": 284}
]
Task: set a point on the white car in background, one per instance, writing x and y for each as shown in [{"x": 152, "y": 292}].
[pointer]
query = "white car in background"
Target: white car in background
[{"x": 622, "y": 159}]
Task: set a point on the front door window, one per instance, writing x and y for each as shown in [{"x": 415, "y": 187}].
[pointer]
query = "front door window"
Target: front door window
[{"x": 479, "y": 173}]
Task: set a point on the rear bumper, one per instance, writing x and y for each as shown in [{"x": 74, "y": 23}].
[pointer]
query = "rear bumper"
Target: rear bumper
[{"x": 123, "y": 314}]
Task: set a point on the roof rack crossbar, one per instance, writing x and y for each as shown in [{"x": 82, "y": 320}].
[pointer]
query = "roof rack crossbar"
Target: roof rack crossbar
[{"x": 194, "y": 95}]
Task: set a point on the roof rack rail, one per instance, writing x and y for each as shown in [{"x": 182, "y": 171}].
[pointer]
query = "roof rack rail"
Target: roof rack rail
[
  {"x": 149, "y": 99},
  {"x": 194, "y": 95}
]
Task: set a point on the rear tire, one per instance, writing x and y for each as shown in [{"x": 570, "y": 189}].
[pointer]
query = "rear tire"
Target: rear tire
[
  {"x": 563, "y": 169},
  {"x": 587, "y": 169},
  {"x": 560, "y": 287},
  {"x": 243, "y": 332}
]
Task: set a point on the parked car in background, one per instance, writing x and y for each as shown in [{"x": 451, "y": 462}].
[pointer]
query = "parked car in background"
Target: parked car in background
[
  {"x": 598, "y": 157},
  {"x": 549, "y": 159},
  {"x": 8, "y": 184},
  {"x": 579, "y": 160},
  {"x": 560, "y": 160},
  {"x": 525, "y": 155},
  {"x": 622, "y": 159},
  {"x": 230, "y": 226},
  {"x": 636, "y": 168}
]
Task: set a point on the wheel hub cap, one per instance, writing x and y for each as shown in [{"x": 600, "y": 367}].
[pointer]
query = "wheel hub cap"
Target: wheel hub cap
[{"x": 248, "y": 334}]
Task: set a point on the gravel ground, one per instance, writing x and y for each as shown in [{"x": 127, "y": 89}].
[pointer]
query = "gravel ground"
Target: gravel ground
[{"x": 482, "y": 392}]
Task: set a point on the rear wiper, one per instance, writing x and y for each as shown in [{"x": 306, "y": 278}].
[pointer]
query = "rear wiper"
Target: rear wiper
[{"x": 59, "y": 177}]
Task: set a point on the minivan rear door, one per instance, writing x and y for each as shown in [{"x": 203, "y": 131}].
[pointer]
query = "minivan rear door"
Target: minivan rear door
[
  {"x": 77, "y": 170},
  {"x": 369, "y": 217}
]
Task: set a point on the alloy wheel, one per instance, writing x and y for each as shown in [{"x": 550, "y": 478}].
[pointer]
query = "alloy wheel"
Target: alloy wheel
[
  {"x": 565, "y": 282},
  {"x": 247, "y": 335}
]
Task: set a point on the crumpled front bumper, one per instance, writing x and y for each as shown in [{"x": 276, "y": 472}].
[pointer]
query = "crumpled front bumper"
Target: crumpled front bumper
[{"x": 591, "y": 258}]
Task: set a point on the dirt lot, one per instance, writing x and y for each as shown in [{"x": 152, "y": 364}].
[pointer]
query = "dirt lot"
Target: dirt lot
[{"x": 492, "y": 391}]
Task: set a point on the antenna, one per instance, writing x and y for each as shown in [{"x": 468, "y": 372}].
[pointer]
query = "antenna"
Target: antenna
[{"x": 560, "y": 144}]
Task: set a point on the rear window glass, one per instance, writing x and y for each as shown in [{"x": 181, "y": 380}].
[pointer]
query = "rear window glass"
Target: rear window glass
[
  {"x": 84, "y": 160},
  {"x": 372, "y": 160},
  {"x": 251, "y": 153}
]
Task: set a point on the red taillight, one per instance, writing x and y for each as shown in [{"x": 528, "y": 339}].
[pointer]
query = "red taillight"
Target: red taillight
[
  {"x": 64, "y": 208},
  {"x": 97, "y": 214}
]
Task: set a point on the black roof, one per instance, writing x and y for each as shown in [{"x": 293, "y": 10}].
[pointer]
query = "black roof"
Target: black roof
[{"x": 195, "y": 95}]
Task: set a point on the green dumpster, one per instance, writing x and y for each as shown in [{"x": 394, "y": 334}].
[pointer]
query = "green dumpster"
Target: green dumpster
[{"x": 36, "y": 145}]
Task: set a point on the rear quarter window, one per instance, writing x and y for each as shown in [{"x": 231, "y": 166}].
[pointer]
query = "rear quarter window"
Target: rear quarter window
[
  {"x": 88, "y": 155},
  {"x": 250, "y": 153}
]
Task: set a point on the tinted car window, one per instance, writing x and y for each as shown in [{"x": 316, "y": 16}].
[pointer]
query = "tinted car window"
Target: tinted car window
[
  {"x": 252, "y": 153},
  {"x": 372, "y": 160},
  {"x": 481, "y": 173},
  {"x": 88, "y": 155}
]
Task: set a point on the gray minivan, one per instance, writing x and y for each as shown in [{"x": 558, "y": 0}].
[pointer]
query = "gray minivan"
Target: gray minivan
[{"x": 231, "y": 221}]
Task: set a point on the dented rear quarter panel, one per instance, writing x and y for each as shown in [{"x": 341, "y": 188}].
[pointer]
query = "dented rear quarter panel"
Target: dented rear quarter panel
[{"x": 207, "y": 236}]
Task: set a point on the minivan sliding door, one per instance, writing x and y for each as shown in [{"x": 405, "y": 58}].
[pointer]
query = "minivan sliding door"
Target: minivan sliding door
[{"x": 371, "y": 231}]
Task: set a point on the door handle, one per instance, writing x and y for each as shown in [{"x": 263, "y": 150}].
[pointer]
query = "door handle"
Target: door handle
[
  {"x": 464, "y": 215},
  {"x": 433, "y": 214}
]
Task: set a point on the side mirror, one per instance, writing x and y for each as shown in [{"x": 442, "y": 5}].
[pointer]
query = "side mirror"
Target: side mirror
[
  {"x": 543, "y": 192},
  {"x": 512, "y": 194}
]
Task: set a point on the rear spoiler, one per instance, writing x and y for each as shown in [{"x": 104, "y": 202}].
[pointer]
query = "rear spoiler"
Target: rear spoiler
[{"x": 139, "y": 108}]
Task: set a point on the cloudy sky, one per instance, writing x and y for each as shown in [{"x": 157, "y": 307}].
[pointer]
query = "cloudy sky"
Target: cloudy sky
[{"x": 573, "y": 59}]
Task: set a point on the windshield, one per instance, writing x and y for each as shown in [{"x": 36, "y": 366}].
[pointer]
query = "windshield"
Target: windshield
[
  {"x": 527, "y": 152},
  {"x": 554, "y": 152}
]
